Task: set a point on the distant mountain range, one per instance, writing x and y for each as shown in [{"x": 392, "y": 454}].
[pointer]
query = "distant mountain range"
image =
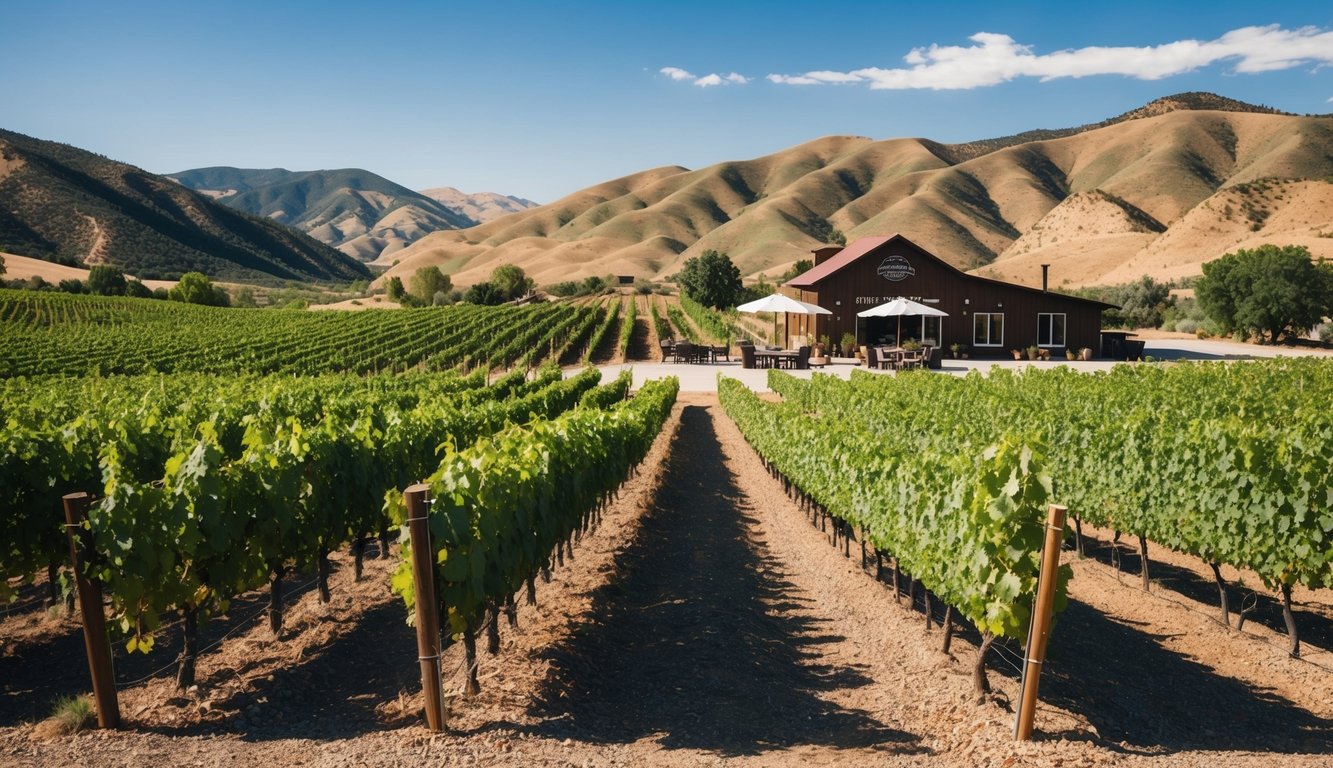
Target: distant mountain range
[
  {"x": 358, "y": 212},
  {"x": 481, "y": 207},
  {"x": 1157, "y": 190},
  {"x": 68, "y": 205}
]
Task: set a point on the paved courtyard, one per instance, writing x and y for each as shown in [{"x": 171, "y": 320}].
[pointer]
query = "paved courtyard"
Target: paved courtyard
[{"x": 703, "y": 378}]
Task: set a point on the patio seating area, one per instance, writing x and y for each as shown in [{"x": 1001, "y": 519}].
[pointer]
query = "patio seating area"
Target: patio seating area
[
  {"x": 680, "y": 351},
  {"x": 898, "y": 358}
]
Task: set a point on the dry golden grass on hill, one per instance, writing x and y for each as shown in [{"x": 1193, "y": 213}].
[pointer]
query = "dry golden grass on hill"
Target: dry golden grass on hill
[{"x": 1144, "y": 196}]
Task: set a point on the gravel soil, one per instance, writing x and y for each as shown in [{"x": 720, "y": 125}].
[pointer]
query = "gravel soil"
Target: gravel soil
[{"x": 706, "y": 621}]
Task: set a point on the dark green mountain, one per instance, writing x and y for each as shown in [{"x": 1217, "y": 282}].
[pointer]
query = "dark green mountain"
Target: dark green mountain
[
  {"x": 358, "y": 212},
  {"x": 68, "y": 205}
]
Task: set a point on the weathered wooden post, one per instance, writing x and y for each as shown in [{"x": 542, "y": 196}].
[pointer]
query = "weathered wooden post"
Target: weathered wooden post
[
  {"x": 428, "y": 619},
  {"x": 1039, "y": 629},
  {"x": 95, "y": 640}
]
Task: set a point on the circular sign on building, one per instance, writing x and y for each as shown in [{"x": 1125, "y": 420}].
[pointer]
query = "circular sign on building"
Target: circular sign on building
[{"x": 895, "y": 268}]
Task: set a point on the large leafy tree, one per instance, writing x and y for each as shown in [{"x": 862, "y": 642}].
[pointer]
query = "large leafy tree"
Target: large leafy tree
[
  {"x": 484, "y": 293},
  {"x": 428, "y": 281},
  {"x": 511, "y": 281},
  {"x": 106, "y": 280},
  {"x": 1267, "y": 290},
  {"x": 711, "y": 279},
  {"x": 196, "y": 288}
]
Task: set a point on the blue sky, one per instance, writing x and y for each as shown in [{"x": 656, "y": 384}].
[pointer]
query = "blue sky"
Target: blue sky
[{"x": 541, "y": 100}]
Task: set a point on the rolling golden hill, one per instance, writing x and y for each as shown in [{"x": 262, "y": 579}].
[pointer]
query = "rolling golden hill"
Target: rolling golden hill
[{"x": 1146, "y": 193}]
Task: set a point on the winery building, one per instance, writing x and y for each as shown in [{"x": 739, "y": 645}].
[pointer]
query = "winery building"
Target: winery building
[{"x": 989, "y": 317}]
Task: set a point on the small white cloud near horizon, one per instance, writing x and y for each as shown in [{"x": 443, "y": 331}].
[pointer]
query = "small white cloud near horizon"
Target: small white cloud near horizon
[
  {"x": 998, "y": 58},
  {"x": 707, "y": 81}
]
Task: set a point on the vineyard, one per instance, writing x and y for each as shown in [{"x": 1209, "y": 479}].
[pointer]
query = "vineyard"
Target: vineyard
[
  {"x": 705, "y": 607},
  {"x": 53, "y": 333}
]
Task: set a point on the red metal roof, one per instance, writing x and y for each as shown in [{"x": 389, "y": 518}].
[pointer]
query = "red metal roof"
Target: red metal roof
[{"x": 844, "y": 257}]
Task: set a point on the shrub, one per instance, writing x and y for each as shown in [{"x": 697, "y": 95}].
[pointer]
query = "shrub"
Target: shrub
[
  {"x": 70, "y": 285},
  {"x": 1326, "y": 333}
]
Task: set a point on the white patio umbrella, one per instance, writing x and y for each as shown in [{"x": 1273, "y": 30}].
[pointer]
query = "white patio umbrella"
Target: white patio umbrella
[
  {"x": 898, "y": 308},
  {"x": 779, "y": 302}
]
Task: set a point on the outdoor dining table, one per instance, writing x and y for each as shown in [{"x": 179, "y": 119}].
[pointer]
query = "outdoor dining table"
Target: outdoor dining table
[{"x": 775, "y": 359}]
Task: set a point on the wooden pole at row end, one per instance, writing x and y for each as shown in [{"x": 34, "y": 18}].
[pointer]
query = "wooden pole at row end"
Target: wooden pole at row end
[
  {"x": 95, "y": 640},
  {"x": 428, "y": 619},
  {"x": 1039, "y": 630}
]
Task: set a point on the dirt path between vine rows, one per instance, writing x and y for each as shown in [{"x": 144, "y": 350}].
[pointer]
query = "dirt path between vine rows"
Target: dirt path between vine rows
[{"x": 706, "y": 622}]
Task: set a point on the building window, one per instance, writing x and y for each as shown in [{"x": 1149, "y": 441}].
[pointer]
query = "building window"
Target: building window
[
  {"x": 988, "y": 329},
  {"x": 1050, "y": 329}
]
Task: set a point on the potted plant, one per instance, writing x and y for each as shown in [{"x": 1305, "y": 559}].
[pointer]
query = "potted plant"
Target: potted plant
[
  {"x": 956, "y": 350},
  {"x": 1044, "y": 354},
  {"x": 1085, "y": 353},
  {"x": 1070, "y": 354},
  {"x": 821, "y": 346},
  {"x": 849, "y": 345},
  {"x": 911, "y": 345},
  {"x": 1034, "y": 352},
  {"x": 1017, "y": 353}
]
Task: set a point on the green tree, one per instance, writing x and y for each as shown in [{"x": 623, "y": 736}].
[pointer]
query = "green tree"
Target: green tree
[
  {"x": 711, "y": 279},
  {"x": 800, "y": 267},
  {"x": 393, "y": 288},
  {"x": 106, "y": 280},
  {"x": 483, "y": 293},
  {"x": 428, "y": 281},
  {"x": 511, "y": 281},
  {"x": 70, "y": 285},
  {"x": 1268, "y": 290},
  {"x": 2, "y": 264},
  {"x": 138, "y": 290},
  {"x": 196, "y": 288}
]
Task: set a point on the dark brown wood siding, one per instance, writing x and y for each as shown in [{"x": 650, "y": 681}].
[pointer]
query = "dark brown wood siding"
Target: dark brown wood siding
[{"x": 859, "y": 286}]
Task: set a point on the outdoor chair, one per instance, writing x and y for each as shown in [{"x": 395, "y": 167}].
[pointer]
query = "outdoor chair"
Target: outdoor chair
[
  {"x": 747, "y": 355},
  {"x": 721, "y": 351},
  {"x": 927, "y": 354},
  {"x": 668, "y": 350},
  {"x": 803, "y": 358},
  {"x": 684, "y": 352},
  {"x": 872, "y": 357}
]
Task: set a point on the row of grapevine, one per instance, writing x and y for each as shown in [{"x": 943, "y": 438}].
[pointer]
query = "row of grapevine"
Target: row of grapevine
[
  {"x": 682, "y": 325},
  {"x": 709, "y": 320},
  {"x": 66, "y": 334},
  {"x": 1231, "y": 463},
  {"x": 660, "y": 326},
  {"x": 965, "y": 519},
  {"x": 609, "y": 321},
  {"x": 509, "y": 505},
  {"x": 627, "y": 329},
  {"x": 211, "y": 487}
]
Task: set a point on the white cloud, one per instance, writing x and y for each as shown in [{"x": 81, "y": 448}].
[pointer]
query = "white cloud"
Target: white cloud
[
  {"x": 678, "y": 74},
  {"x": 998, "y": 58}
]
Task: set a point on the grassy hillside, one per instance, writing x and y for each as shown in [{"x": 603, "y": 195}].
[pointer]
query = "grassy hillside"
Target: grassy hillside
[
  {"x": 67, "y": 205},
  {"x": 972, "y": 204},
  {"x": 358, "y": 212}
]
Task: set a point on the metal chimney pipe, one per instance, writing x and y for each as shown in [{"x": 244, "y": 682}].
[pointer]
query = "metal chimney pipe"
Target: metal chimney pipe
[{"x": 1045, "y": 270}]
